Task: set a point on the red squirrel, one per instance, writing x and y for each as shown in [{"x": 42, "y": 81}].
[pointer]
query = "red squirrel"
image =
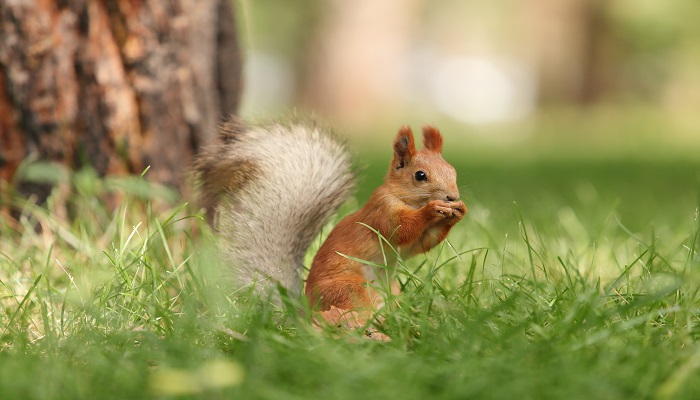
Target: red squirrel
[{"x": 273, "y": 186}]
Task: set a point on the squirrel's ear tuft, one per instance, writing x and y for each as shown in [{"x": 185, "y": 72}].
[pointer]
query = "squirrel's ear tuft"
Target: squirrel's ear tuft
[
  {"x": 432, "y": 139},
  {"x": 404, "y": 147}
]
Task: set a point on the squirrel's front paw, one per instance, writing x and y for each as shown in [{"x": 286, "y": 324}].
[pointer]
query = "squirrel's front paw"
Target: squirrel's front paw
[
  {"x": 446, "y": 212},
  {"x": 459, "y": 209},
  {"x": 440, "y": 209}
]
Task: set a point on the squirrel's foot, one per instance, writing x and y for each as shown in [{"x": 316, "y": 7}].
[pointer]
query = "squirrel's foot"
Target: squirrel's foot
[{"x": 350, "y": 320}]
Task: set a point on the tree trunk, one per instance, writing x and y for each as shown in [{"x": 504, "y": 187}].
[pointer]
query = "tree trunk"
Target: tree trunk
[{"x": 115, "y": 84}]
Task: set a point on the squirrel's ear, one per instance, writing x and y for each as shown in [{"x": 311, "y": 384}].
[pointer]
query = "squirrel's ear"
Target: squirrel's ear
[
  {"x": 432, "y": 139},
  {"x": 404, "y": 147}
]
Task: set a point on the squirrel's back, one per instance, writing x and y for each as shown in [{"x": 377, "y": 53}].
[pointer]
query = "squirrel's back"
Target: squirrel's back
[{"x": 271, "y": 187}]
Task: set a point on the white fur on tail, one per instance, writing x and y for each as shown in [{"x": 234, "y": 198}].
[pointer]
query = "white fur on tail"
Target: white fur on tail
[{"x": 302, "y": 176}]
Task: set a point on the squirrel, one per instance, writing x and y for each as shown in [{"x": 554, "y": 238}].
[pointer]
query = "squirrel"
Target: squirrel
[{"x": 272, "y": 187}]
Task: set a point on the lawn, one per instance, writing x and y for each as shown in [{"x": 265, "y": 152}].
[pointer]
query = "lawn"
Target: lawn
[{"x": 571, "y": 277}]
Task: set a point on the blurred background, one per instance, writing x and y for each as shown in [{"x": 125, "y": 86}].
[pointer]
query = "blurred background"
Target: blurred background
[
  {"x": 582, "y": 108},
  {"x": 503, "y": 70},
  {"x": 550, "y": 104}
]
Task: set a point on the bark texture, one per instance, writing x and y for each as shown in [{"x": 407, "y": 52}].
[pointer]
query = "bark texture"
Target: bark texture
[{"x": 116, "y": 84}]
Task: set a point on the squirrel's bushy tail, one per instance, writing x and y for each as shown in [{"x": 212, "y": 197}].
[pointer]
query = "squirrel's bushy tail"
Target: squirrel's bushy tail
[{"x": 271, "y": 187}]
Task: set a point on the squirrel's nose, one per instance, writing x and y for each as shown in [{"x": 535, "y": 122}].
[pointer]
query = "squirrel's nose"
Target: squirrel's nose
[{"x": 452, "y": 197}]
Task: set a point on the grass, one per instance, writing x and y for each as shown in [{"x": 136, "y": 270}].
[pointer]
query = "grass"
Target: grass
[{"x": 566, "y": 280}]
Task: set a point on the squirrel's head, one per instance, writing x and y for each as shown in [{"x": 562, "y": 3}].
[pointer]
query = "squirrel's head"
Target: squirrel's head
[{"x": 421, "y": 176}]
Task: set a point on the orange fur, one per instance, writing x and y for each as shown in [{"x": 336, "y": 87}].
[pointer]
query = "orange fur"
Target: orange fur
[
  {"x": 432, "y": 139},
  {"x": 413, "y": 215}
]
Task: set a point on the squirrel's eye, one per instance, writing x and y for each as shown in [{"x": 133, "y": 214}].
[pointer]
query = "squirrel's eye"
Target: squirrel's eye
[{"x": 421, "y": 176}]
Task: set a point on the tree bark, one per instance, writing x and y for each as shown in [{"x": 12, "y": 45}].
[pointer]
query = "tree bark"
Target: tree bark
[{"x": 115, "y": 84}]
